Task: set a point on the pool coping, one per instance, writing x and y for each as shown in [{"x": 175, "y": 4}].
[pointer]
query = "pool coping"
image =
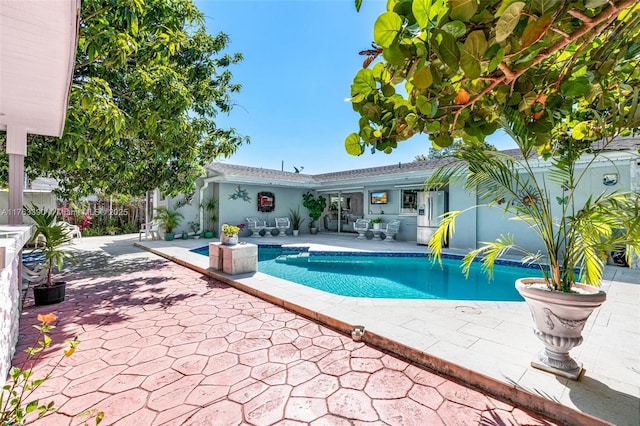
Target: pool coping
[{"x": 254, "y": 284}]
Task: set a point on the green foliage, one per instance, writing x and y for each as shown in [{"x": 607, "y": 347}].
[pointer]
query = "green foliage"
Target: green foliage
[
  {"x": 56, "y": 235},
  {"x": 148, "y": 84},
  {"x": 16, "y": 405},
  {"x": 211, "y": 207},
  {"x": 461, "y": 63},
  {"x": 376, "y": 220},
  {"x": 295, "y": 218},
  {"x": 168, "y": 218},
  {"x": 576, "y": 235},
  {"x": 314, "y": 205}
]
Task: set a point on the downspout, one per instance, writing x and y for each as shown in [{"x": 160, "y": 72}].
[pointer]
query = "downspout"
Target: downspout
[{"x": 205, "y": 184}]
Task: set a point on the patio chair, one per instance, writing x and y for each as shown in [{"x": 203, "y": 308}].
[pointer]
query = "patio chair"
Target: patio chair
[
  {"x": 391, "y": 229},
  {"x": 361, "y": 226},
  {"x": 36, "y": 275},
  {"x": 149, "y": 229},
  {"x": 72, "y": 230},
  {"x": 282, "y": 224},
  {"x": 253, "y": 225}
]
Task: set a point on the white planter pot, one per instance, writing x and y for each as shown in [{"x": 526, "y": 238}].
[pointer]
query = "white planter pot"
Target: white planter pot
[
  {"x": 296, "y": 232},
  {"x": 376, "y": 226},
  {"x": 559, "y": 319},
  {"x": 230, "y": 240}
]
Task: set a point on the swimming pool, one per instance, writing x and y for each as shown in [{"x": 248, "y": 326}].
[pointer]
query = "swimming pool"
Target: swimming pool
[{"x": 388, "y": 275}]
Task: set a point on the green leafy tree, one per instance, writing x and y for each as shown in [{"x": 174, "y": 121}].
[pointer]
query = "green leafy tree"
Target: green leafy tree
[
  {"x": 148, "y": 83},
  {"x": 436, "y": 153},
  {"x": 450, "y": 68}
]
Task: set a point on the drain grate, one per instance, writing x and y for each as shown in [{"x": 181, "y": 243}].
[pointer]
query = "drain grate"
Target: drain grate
[{"x": 468, "y": 310}]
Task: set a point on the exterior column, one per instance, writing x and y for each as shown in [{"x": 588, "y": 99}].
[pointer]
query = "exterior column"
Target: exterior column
[
  {"x": 17, "y": 150},
  {"x": 635, "y": 186}
]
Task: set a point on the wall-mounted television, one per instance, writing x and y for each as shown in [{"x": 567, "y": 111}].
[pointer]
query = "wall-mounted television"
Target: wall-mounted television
[{"x": 378, "y": 197}]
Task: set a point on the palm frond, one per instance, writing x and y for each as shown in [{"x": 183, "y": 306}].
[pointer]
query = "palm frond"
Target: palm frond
[{"x": 442, "y": 234}]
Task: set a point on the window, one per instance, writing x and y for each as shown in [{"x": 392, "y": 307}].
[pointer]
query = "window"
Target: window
[{"x": 409, "y": 201}]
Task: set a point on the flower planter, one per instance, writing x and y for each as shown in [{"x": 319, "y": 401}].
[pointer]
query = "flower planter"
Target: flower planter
[
  {"x": 229, "y": 240},
  {"x": 296, "y": 232},
  {"x": 48, "y": 295},
  {"x": 169, "y": 236},
  {"x": 559, "y": 319}
]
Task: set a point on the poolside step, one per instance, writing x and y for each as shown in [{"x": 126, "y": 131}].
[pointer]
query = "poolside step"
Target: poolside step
[
  {"x": 305, "y": 257},
  {"x": 293, "y": 258}
]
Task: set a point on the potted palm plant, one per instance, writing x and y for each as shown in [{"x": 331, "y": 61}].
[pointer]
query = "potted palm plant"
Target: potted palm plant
[
  {"x": 169, "y": 219},
  {"x": 315, "y": 207},
  {"x": 576, "y": 231},
  {"x": 55, "y": 236},
  {"x": 296, "y": 220}
]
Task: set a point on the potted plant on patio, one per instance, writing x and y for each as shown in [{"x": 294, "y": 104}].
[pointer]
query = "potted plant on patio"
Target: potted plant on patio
[
  {"x": 195, "y": 228},
  {"x": 560, "y": 82},
  {"x": 55, "y": 236},
  {"x": 229, "y": 235},
  {"x": 576, "y": 231},
  {"x": 315, "y": 207},
  {"x": 296, "y": 220},
  {"x": 211, "y": 206},
  {"x": 376, "y": 222},
  {"x": 169, "y": 219}
]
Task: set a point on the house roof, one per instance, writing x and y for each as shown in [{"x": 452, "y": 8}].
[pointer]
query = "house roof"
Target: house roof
[{"x": 413, "y": 173}]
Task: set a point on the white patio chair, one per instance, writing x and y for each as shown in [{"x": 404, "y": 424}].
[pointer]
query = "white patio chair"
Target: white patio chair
[
  {"x": 282, "y": 224},
  {"x": 254, "y": 225},
  {"x": 72, "y": 230},
  {"x": 151, "y": 229},
  {"x": 361, "y": 226},
  {"x": 391, "y": 229}
]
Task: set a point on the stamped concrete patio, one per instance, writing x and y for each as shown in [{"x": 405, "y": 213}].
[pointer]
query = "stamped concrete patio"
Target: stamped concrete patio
[
  {"x": 164, "y": 345},
  {"x": 487, "y": 344}
]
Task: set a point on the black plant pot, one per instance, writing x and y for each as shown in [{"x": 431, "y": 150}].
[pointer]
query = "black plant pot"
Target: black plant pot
[{"x": 48, "y": 295}]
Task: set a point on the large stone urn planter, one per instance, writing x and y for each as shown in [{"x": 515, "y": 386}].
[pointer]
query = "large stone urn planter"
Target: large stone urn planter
[{"x": 559, "y": 319}]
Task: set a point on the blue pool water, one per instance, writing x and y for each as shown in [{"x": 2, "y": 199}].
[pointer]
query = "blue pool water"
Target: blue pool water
[{"x": 385, "y": 275}]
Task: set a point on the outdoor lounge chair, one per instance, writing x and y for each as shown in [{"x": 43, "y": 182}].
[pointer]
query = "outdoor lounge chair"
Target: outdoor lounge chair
[
  {"x": 391, "y": 229},
  {"x": 151, "y": 229},
  {"x": 253, "y": 225},
  {"x": 282, "y": 224},
  {"x": 361, "y": 226}
]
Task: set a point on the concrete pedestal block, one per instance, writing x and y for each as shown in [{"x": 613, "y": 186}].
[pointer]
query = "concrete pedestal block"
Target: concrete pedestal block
[
  {"x": 215, "y": 256},
  {"x": 233, "y": 260}
]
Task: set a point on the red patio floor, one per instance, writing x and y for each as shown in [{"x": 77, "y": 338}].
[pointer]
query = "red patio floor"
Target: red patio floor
[{"x": 163, "y": 345}]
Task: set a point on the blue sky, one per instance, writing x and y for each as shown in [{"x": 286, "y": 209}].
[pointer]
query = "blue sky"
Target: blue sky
[{"x": 300, "y": 57}]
